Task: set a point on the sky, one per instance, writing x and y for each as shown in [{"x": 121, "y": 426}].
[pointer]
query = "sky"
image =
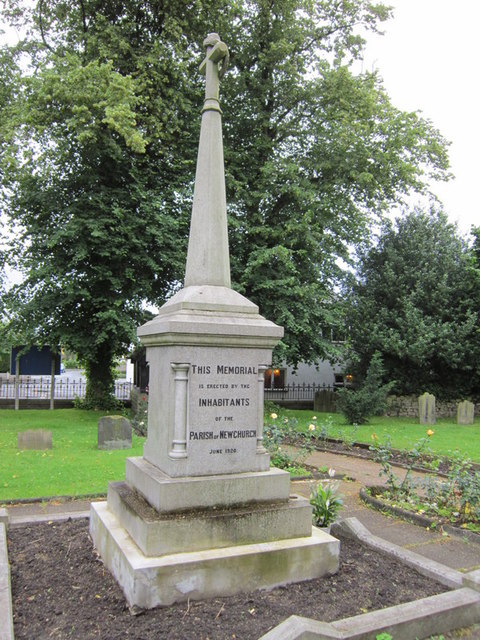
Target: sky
[{"x": 429, "y": 60}]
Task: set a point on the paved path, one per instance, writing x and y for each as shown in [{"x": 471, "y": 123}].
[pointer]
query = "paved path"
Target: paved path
[{"x": 453, "y": 552}]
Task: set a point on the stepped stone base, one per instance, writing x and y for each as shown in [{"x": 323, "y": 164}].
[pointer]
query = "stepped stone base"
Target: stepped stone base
[
  {"x": 164, "y": 533},
  {"x": 149, "y": 582},
  {"x": 167, "y": 494}
]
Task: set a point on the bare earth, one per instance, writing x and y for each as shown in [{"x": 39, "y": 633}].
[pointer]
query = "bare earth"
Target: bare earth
[{"x": 61, "y": 589}]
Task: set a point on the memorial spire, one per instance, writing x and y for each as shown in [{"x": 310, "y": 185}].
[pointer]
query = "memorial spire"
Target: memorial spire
[{"x": 208, "y": 261}]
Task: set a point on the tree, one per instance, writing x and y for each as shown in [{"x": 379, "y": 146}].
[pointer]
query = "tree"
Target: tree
[
  {"x": 93, "y": 175},
  {"x": 101, "y": 132},
  {"x": 369, "y": 398},
  {"x": 413, "y": 301},
  {"x": 324, "y": 155}
]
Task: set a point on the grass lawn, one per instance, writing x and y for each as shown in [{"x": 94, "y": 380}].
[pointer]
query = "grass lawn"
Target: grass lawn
[
  {"x": 404, "y": 432},
  {"x": 74, "y": 466}
]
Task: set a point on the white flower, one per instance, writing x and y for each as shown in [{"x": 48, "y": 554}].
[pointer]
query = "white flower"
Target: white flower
[
  {"x": 273, "y": 416},
  {"x": 331, "y": 472},
  {"x": 311, "y": 427}
]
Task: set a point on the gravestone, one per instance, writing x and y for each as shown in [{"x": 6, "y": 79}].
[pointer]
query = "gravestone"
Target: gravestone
[
  {"x": 465, "y": 412},
  {"x": 426, "y": 408},
  {"x": 38, "y": 439},
  {"x": 324, "y": 401},
  {"x": 114, "y": 432},
  {"x": 201, "y": 513}
]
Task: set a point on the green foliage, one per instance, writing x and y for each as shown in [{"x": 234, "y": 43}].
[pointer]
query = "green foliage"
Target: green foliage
[
  {"x": 416, "y": 456},
  {"x": 357, "y": 405},
  {"x": 140, "y": 416},
  {"x": 325, "y": 502},
  {"x": 280, "y": 431},
  {"x": 4, "y": 361},
  {"x": 99, "y": 118},
  {"x": 325, "y": 153},
  {"x": 456, "y": 498},
  {"x": 416, "y": 301}
]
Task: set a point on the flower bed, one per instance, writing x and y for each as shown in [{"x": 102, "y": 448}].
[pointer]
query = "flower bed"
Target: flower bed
[{"x": 419, "y": 513}]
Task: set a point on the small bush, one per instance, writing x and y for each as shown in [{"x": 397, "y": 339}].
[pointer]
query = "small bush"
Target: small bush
[
  {"x": 357, "y": 405},
  {"x": 325, "y": 501}
]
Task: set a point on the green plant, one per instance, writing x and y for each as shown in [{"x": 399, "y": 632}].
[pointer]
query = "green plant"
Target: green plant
[
  {"x": 455, "y": 499},
  {"x": 357, "y": 405},
  {"x": 280, "y": 430},
  {"x": 325, "y": 501},
  {"x": 140, "y": 416},
  {"x": 383, "y": 636},
  {"x": 383, "y": 455}
]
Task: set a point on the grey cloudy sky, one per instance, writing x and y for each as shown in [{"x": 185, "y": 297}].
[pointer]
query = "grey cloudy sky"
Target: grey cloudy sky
[{"x": 429, "y": 60}]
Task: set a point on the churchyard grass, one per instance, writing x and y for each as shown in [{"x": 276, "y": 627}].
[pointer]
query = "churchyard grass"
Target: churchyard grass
[
  {"x": 73, "y": 467},
  {"x": 403, "y": 432}
]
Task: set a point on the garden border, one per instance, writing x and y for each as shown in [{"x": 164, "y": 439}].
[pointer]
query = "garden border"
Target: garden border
[
  {"x": 419, "y": 619},
  {"x": 437, "y": 614},
  {"x": 6, "y": 631},
  {"x": 417, "y": 518}
]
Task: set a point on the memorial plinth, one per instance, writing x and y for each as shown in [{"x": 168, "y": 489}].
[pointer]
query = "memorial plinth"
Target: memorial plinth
[{"x": 202, "y": 514}]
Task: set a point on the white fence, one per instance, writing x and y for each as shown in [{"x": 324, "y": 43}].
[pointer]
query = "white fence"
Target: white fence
[{"x": 38, "y": 388}]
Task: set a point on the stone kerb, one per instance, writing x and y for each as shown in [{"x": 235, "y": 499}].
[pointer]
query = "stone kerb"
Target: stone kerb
[
  {"x": 114, "y": 432},
  {"x": 426, "y": 408},
  {"x": 36, "y": 439},
  {"x": 465, "y": 412}
]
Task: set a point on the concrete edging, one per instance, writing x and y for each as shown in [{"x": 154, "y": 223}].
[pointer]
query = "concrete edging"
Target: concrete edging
[
  {"x": 418, "y": 619},
  {"x": 421, "y": 618},
  {"x": 6, "y": 629}
]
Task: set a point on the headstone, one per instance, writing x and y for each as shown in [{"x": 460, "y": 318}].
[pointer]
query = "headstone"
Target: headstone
[
  {"x": 426, "y": 408},
  {"x": 465, "y": 412},
  {"x": 39, "y": 439},
  {"x": 114, "y": 432},
  {"x": 324, "y": 401},
  {"x": 207, "y": 514}
]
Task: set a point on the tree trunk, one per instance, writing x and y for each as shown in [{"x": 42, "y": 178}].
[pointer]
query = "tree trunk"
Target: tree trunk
[{"x": 100, "y": 392}]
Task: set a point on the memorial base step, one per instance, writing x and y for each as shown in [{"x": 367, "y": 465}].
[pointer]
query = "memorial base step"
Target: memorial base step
[{"x": 149, "y": 582}]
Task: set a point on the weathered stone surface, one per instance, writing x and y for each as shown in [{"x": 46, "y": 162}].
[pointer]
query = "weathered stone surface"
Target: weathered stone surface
[
  {"x": 6, "y": 620},
  {"x": 201, "y": 513},
  {"x": 465, "y": 412},
  {"x": 114, "y": 432},
  {"x": 206, "y": 410},
  {"x": 38, "y": 439},
  {"x": 159, "y": 534},
  {"x": 167, "y": 494},
  {"x": 426, "y": 408},
  {"x": 179, "y": 577}
]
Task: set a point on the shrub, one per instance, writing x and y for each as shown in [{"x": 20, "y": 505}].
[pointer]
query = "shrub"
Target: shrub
[{"x": 357, "y": 405}]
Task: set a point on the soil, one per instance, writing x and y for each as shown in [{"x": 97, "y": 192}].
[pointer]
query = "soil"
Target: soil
[{"x": 61, "y": 589}]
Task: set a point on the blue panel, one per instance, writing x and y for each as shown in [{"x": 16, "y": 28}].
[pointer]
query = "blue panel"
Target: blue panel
[{"x": 35, "y": 362}]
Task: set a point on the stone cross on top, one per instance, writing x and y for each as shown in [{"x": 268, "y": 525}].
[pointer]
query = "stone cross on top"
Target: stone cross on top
[
  {"x": 217, "y": 52},
  {"x": 208, "y": 259}
]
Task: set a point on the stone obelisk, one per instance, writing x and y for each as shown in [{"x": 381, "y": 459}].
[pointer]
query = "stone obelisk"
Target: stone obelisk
[{"x": 201, "y": 513}]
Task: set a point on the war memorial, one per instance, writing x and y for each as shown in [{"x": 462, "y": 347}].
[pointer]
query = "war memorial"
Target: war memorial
[{"x": 201, "y": 513}]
